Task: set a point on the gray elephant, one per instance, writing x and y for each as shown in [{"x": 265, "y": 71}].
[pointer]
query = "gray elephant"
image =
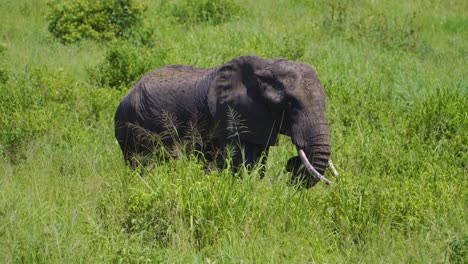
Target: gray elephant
[{"x": 244, "y": 104}]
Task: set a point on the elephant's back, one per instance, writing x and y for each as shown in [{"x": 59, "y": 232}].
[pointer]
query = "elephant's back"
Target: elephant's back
[
  {"x": 176, "y": 89},
  {"x": 172, "y": 71},
  {"x": 171, "y": 85},
  {"x": 173, "y": 76}
]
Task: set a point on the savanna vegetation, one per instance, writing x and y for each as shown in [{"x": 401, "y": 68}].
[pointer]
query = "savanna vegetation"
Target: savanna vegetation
[{"x": 395, "y": 76}]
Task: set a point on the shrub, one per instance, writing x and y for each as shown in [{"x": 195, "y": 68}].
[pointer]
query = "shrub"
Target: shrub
[
  {"x": 291, "y": 47},
  {"x": 30, "y": 102},
  {"x": 43, "y": 100},
  {"x": 123, "y": 64},
  {"x": 213, "y": 12},
  {"x": 73, "y": 21}
]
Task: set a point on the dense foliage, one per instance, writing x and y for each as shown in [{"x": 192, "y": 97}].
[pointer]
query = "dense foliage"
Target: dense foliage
[
  {"x": 72, "y": 21},
  {"x": 395, "y": 77},
  {"x": 191, "y": 12},
  {"x": 123, "y": 63}
]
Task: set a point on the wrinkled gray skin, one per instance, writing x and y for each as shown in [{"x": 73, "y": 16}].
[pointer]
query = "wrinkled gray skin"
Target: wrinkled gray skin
[{"x": 266, "y": 96}]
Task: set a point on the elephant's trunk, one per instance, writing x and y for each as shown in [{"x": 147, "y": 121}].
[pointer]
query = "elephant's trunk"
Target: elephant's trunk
[
  {"x": 318, "y": 151},
  {"x": 313, "y": 145},
  {"x": 311, "y": 168}
]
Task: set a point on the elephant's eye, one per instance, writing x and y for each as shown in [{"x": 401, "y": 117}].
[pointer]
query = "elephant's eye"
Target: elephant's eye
[
  {"x": 278, "y": 87},
  {"x": 271, "y": 81}
]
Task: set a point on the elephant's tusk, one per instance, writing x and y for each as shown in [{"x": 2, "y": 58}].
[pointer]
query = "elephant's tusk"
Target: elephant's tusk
[
  {"x": 311, "y": 168},
  {"x": 332, "y": 167}
]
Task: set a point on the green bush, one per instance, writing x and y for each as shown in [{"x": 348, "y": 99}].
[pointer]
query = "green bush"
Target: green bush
[
  {"x": 30, "y": 102},
  {"x": 291, "y": 47},
  {"x": 213, "y": 12},
  {"x": 73, "y": 21},
  {"x": 38, "y": 100},
  {"x": 123, "y": 64}
]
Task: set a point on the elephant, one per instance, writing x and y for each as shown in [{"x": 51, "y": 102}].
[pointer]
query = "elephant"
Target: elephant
[{"x": 242, "y": 106}]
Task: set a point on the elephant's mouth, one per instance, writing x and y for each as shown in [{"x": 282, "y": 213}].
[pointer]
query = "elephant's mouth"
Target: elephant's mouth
[{"x": 313, "y": 171}]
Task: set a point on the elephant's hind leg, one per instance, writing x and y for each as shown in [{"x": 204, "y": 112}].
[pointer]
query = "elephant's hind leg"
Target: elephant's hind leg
[{"x": 131, "y": 143}]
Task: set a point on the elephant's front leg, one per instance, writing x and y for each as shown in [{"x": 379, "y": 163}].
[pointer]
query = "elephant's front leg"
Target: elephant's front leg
[{"x": 250, "y": 154}]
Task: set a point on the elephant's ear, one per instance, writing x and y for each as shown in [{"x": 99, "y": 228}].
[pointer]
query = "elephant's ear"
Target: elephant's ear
[
  {"x": 234, "y": 93},
  {"x": 270, "y": 89},
  {"x": 221, "y": 86},
  {"x": 273, "y": 78}
]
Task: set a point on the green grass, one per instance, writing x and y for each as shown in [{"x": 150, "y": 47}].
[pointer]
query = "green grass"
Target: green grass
[{"x": 395, "y": 77}]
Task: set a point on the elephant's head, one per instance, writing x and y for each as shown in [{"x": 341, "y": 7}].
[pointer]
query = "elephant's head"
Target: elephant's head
[{"x": 275, "y": 96}]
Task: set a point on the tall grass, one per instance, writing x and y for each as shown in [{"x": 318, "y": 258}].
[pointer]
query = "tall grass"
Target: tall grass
[{"x": 394, "y": 74}]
